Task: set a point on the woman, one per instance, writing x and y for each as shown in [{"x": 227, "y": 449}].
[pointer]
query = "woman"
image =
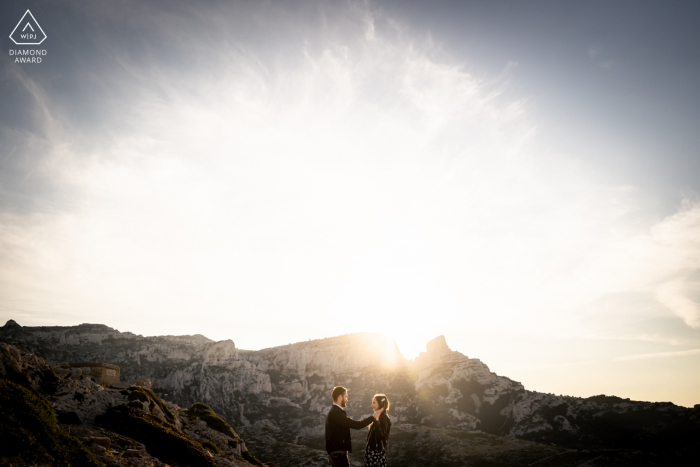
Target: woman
[{"x": 378, "y": 437}]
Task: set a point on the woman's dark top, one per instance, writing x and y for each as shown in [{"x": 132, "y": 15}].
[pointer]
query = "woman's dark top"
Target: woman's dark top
[{"x": 378, "y": 437}]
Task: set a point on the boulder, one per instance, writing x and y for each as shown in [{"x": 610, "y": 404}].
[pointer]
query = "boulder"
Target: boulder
[
  {"x": 143, "y": 382},
  {"x": 103, "y": 441},
  {"x": 61, "y": 372},
  {"x": 97, "y": 449},
  {"x": 24, "y": 368}
]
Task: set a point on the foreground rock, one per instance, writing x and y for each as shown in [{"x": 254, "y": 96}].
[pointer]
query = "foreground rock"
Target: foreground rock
[{"x": 52, "y": 420}]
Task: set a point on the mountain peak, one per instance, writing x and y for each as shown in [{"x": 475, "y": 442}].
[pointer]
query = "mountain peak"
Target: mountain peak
[
  {"x": 12, "y": 324},
  {"x": 437, "y": 346}
]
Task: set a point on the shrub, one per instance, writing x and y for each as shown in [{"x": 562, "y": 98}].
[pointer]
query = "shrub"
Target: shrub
[
  {"x": 209, "y": 446},
  {"x": 138, "y": 393},
  {"x": 135, "y": 404},
  {"x": 28, "y": 429},
  {"x": 214, "y": 422},
  {"x": 49, "y": 382},
  {"x": 68, "y": 418},
  {"x": 603, "y": 399}
]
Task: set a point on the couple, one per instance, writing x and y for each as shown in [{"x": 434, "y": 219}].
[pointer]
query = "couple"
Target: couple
[{"x": 338, "y": 426}]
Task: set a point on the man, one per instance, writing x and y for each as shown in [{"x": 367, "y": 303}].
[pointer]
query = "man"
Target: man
[{"x": 338, "y": 425}]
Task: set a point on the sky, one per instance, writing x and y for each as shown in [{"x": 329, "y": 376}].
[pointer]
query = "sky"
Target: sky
[{"x": 520, "y": 177}]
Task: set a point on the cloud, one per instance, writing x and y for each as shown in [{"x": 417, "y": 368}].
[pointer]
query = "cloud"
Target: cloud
[
  {"x": 551, "y": 366},
  {"x": 680, "y": 353},
  {"x": 340, "y": 164},
  {"x": 678, "y": 261},
  {"x": 207, "y": 187},
  {"x": 652, "y": 338},
  {"x": 681, "y": 297}
]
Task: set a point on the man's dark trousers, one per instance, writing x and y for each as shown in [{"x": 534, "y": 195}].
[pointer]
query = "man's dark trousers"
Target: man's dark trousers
[{"x": 339, "y": 459}]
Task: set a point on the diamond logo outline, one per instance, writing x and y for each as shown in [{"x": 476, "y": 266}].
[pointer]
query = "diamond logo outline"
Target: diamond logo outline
[{"x": 35, "y": 22}]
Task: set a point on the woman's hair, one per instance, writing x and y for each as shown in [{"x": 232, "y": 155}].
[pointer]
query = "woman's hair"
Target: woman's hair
[{"x": 383, "y": 401}]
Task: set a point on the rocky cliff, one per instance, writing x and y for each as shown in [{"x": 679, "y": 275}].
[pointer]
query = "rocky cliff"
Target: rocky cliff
[
  {"x": 288, "y": 388},
  {"x": 53, "y": 417},
  {"x": 58, "y": 416}
]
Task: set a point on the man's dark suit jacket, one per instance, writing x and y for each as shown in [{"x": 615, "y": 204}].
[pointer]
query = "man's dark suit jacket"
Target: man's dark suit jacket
[{"x": 338, "y": 426}]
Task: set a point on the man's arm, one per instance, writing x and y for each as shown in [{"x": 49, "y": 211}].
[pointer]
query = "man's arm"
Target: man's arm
[{"x": 339, "y": 417}]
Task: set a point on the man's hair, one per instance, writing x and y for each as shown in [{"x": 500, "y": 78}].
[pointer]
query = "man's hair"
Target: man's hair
[
  {"x": 383, "y": 401},
  {"x": 338, "y": 391}
]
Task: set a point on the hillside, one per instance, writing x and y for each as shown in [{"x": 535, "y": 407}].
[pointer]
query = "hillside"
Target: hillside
[
  {"x": 52, "y": 416},
  {"x": 280, "y": 395}
]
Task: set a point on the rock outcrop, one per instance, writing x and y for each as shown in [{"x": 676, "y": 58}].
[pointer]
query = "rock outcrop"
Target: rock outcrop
[{"x": 62, "y": 417}]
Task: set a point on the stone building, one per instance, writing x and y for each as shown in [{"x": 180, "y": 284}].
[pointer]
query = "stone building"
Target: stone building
[{"x": 102, "y": 372}]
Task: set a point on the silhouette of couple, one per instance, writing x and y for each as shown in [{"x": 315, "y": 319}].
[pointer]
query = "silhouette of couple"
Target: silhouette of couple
[{"x": 338, "y": 425}]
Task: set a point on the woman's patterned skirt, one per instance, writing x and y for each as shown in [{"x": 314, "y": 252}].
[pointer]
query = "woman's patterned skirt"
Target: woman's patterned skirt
[{"x": 375, "y": 458}]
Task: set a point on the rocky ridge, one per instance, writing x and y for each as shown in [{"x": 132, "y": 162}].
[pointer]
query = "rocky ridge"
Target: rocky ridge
[
  {"x": 287, "y": 388},
  {"x": 82, "y": 408}
]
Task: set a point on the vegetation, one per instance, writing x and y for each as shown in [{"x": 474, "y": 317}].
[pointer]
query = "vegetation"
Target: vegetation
[
  {"x": 550, "y": 412},
  {"x": 161, "y": 439},
  {"x": 233, "y": 443},
  {"x": 214, "y": 422},
  {"x": 137, "y": 393},
  {"x": 211, "y": 447},
  {"x": 465, "y": 403},
  {"x": 135, "y": 404},
  {"x": 672, "y": 431},
  {"x": 28, "y": 429},
  {"x": 492, "y": 420},
  {"x": 68, "y": 418},
  {"x": 49, "y": 382},
  {"x": 603, "y": 399},
  {"x": 251, "y": 458},
  {"x": 17, "y": 377}
]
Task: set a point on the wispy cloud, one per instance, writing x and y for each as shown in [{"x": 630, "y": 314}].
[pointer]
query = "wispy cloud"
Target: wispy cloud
[
  {"x": 551, "y": 366},
  {"x": 680, "y": 353},
  {"x": 655, "y": 338},
  {"x": 678, "y": 242},
  {"x": 682, "y": 297}
]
